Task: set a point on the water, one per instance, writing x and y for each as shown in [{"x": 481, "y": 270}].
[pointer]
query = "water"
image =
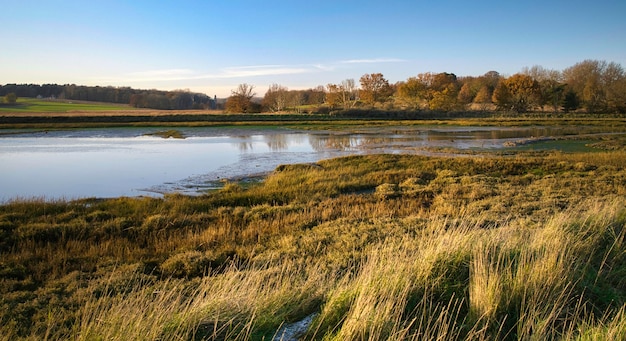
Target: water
[{"x": 116, "y": 162}]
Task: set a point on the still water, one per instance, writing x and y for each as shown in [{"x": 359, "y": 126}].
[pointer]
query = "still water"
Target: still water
[{"x": 116, "y": 162}]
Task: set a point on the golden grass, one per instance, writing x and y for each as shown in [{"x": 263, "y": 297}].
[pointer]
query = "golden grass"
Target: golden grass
[{"x": 383, "y": 247}]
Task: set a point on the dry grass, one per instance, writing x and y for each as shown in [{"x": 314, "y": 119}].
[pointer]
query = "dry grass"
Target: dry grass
[{"x": 379, "y": 247}]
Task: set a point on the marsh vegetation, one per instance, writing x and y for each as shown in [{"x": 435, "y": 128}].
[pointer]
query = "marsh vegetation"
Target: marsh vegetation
[{"x": 377, "y": 247}]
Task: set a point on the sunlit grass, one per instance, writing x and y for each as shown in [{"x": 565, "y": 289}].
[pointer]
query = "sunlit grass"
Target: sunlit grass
[{"x": 379, "y": 247}]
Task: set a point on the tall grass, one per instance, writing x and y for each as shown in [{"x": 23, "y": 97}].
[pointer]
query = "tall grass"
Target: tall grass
[{"x": 376, "y": 247}]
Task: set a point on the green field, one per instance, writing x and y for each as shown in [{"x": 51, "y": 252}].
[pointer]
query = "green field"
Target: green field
[{"x": 31, "y": 105}]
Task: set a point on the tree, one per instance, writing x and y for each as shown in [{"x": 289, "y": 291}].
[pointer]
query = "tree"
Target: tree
[
  {"x": 550, "y": 84},
  {"x": 614, "y": 83},
  {"x": 333, "y": 96},
  {"x": 181, "y": 100},
  {"x": 295, "y": 99},
  {"x": 551, "y": 92},
  {"x": 374, "y": 88},
  {"x": 502, "y": 97},
  {"x": 466, "y": 94},
  {"x": 240, "y": 100},
  {"x": 412, "y": 93},
  {"x": 344, "y": 95},
  {"x": 518, "y": 92},
  {"x": 443, "y": 92},
  {"x": 275, "y": 98},
  {"x": 486, "y": 85},
  {"x": 315, "y": 96},
  {"x": 570, "y": 101},
  {"x": 349, "y": 93},
  {"x": 10, "y": 98},
  {"x": 592, "y": 81},
  {"x": 483, "y": 97},
  {"x": 445, "y": 99}
]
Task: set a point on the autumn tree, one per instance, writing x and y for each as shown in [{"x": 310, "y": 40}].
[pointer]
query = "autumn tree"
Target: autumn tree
[
  {"x": 275, "y": 98},
  {"x": 333, "y": 96},
  {"x": 551, "y": 92},
  {"x": 467, "y": 93},
  {"x": 412, "y": 93},
  {"x": 551, "y": 87},
  {"x": 374, "y": 88},
  {"x": 502, "y": 97},
  {"x": 518, "y": 93},
  {"x": 344, "y": 95},
  {"x": 614, "y": 83},
  {"x": 240, "y": 100},
  {"x": 315, "y": 96},
  {"x": 599, "y": 85},
  {"x": 349, "y": 93},
  {"x": 443, "y": 92},
  {"x": 444, "y": 99},
  {"x": 483, "y": 97},
  {"x": 295, "y": 99}
]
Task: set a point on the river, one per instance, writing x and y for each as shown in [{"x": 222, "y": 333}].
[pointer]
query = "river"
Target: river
[{"x": 113, "y": 162}]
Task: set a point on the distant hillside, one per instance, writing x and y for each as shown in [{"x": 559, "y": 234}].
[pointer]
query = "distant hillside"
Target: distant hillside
[{"x": 153, "y": 99}]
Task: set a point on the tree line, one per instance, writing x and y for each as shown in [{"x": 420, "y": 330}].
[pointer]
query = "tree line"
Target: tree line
[
  {"x": 153, "y": 99},
  {"x": 592, "y": 86}
]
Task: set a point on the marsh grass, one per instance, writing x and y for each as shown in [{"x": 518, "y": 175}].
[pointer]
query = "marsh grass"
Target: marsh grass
[{"x": 393, "y": 247}]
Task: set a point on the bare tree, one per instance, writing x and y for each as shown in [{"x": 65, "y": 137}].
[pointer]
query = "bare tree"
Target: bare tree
[
  {"x": 349, "y": 93},
  {"x": 275, "y": 98}
]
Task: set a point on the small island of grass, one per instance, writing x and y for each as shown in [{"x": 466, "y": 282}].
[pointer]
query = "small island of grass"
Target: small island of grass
[{"x": 166, "y": 134}]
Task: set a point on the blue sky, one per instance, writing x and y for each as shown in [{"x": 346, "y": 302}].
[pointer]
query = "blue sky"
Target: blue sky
[{"x": 212, "y": 46}]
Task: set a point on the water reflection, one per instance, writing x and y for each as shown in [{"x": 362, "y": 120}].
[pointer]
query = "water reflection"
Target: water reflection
[
  {"x": 321, "y": 142},
  {"x": 244, "y": 143},
  {"x": 123, "y": 161},
  {"x": 277, "y": 142}
]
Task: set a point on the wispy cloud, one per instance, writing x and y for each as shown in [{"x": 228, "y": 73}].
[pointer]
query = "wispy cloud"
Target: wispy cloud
[
  {"x": 372, "y": 61},
  {"x": 224, "y": 73},
  {"x": 259, "y": 70},
  {"x": 250, "y": 71}
]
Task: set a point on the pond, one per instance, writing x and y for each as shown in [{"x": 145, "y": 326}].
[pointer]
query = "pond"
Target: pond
[{"x": 116, "y": 162}]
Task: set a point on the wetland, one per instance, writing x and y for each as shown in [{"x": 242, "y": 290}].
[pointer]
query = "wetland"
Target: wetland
[
  {"x": 135, "y": 161},
  {"x": 378, "y": 232}
]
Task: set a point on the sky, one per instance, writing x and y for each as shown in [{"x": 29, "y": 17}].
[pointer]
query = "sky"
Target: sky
[{"x": 213, "y": 46}]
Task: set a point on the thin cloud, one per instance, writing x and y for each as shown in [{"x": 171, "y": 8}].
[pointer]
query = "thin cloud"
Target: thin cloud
[
  {"x": 250, "y": 71},
  {"x": 225, "y": 73},
  {"x": 372, "y": 61},
  {"x": 259, "y": 70}
]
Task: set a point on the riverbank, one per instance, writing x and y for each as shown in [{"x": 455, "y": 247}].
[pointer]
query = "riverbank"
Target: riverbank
[{"x": 148, "y": 117}]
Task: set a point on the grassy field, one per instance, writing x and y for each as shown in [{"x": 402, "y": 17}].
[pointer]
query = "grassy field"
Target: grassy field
[
  {"x": 380, "y": 247},
  {"x": 32, "y": 105}
]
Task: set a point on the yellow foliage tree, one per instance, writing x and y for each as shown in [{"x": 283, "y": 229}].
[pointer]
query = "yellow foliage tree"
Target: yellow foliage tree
[
  {"x": 412, "y": 93},
  {"x": 374, "y": 88},
  {"x": 518, "y": 92}
]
